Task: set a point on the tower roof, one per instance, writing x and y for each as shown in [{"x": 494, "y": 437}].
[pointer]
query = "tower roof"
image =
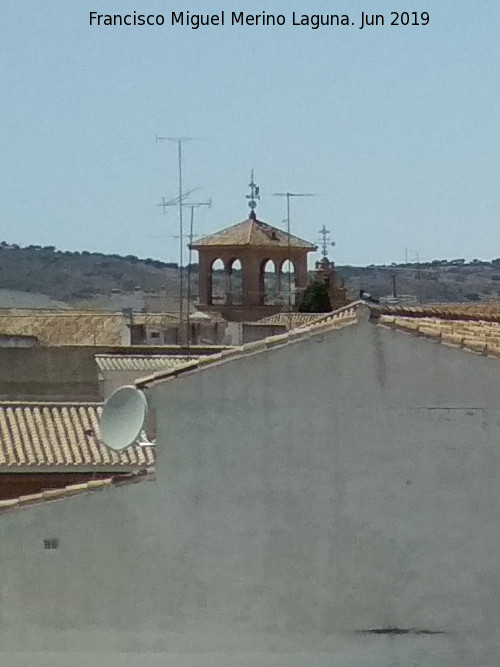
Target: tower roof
[{"x": 254, "y": 233}]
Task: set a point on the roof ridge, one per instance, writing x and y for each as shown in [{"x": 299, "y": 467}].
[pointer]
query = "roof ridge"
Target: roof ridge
[
  {"x": 250, "y": 222},
  {"x": 246, "y": 227},
  {"x": 337, "y": 319},
  {"x": 75, "y": 489},
  {"x": 141, "y": 356},
  {"x": 325, "y": 316},
  {"x": 54, "y": 403}
]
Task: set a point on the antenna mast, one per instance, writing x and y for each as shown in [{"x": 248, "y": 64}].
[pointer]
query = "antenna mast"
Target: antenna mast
[
  {"x": 174, "y": 202},
  {"x": 288, "y": 196},
  {"x": 192, "y": 206},
  {"x": 179, "y": 141}
]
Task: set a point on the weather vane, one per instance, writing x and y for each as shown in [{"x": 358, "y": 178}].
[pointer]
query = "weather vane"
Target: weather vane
[
  {"x": 325, "y": 241},
  {"x": 253, "y": 197}
]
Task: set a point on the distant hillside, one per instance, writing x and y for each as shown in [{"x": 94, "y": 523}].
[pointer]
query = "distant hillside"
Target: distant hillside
[
  {"x": 112, "y": 281},
  {"x": 70, "y": 276},
  {"x": 439, "y": 280}
]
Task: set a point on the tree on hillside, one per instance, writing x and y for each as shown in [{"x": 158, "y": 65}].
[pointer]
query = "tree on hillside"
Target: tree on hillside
[{"x": 315, "y": 299}]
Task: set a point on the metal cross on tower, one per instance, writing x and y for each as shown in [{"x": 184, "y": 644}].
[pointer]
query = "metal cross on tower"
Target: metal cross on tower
[
  {"x": 253, "y": 197},
  {"x": 325, "y": 241}
]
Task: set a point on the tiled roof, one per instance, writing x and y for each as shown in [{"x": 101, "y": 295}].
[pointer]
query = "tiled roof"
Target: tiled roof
[
  {"x": 474, "y": 326},
  {"x": 76, "y": 327},
  {"x": 140, "y": 363},
  {"x": 338, "y": 319},
  {"x": 253, "y": 233},
  {"x": 291, "y": 320},
  {"x": 61, "y": 435},
  {"x": 74, "y": 490},
  {"x": 488, "y": 311},
  {"x": 155, "y": 319},
  {"x": 476, "y": 335}
]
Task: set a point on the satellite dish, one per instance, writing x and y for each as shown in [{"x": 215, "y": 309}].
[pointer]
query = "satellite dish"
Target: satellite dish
[{"x": 123, "y": 417}]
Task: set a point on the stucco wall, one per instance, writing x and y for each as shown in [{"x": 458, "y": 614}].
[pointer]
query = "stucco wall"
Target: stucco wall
[
  {"x": 109, "y": 381},
  {"x": 252, "y": 332},
  {"x": 66, "y": 373},
  {"x": 306, "y": 495},
  {"x": 49, "y": 373}
]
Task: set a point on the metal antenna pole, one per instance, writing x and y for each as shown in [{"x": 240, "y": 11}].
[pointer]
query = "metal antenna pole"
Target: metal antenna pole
[
  {"x": 394, "y": 290},
  {"x": 193, "y": 206},
  {"x": 419, "y": 277},
  {"x": 179, "y": 141},
  {"x": 288, "y": 196},
  {"x": 181, "y": 241},
  {"x": 289, "y": 259}
]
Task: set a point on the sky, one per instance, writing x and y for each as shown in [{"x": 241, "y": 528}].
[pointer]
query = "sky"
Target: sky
[{"x": 394, "y": 129}]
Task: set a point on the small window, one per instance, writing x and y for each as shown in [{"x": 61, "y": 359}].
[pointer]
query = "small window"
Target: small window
[
  {"x": 155, "y": 334},
  {"x": 51, "y": 543}
]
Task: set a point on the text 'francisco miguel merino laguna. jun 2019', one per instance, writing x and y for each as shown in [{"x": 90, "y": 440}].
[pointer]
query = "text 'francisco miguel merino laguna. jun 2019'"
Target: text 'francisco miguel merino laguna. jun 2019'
[{"x": 365, "y": 20}]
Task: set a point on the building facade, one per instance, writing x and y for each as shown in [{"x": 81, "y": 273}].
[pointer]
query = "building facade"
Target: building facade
[{"x": 328, "y": 497}]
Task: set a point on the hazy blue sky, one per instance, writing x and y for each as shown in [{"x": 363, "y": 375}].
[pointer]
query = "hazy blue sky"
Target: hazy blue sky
[{"x": 396, "y": 130}]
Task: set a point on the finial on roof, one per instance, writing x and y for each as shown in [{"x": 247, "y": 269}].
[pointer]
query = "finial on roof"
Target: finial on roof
[
  {"x": 325, "y": 241},
  {"x": 253, "y": 197}
]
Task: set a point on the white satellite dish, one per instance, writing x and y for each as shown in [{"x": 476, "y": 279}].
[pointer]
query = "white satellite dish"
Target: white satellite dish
[{"x": 123, "y": 417}]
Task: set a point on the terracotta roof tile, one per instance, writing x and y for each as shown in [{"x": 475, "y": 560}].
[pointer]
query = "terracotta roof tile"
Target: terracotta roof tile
[
  {"x": 139, "y": 363},
  {"x": 487, "y": 311},
  {"x": 76, "y": 327},
  {"x": 291, "y": 320},
  {"x": 475, "y": 335},
  {"x": 74, "y": 490},
  {"x": 253, "y": 233},
  {"x": 64, "y": 435}
]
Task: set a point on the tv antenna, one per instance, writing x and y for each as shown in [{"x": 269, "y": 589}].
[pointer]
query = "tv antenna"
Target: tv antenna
[
  {"x": 175, "y": 201},
  {"x": 290, "y": 195},
  {"x": 179, "y": 141},
  {"x": 193, "y": 206},
  {"x": 325, "y": 241}
]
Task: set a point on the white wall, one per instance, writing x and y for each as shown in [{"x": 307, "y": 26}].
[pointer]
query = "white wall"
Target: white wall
[
  {"x": 109, "y": 381},
  {"x": 306, "y": 494}
]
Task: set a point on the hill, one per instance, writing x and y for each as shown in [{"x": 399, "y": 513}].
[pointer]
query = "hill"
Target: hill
[
  {"x": 436, "y": 281},
  {"x": 73, "y": 276},
  {"x": 112, "y": 281}
]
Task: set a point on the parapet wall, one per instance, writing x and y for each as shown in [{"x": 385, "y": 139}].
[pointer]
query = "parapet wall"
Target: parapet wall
[{"x": 66, "y": 373}]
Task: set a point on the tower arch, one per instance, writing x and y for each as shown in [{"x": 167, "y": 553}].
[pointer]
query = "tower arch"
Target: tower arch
[{"x": 252, "y": 289}]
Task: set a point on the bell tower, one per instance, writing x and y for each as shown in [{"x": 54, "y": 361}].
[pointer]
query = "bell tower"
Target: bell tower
[{"x": 250, "y": 245}]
